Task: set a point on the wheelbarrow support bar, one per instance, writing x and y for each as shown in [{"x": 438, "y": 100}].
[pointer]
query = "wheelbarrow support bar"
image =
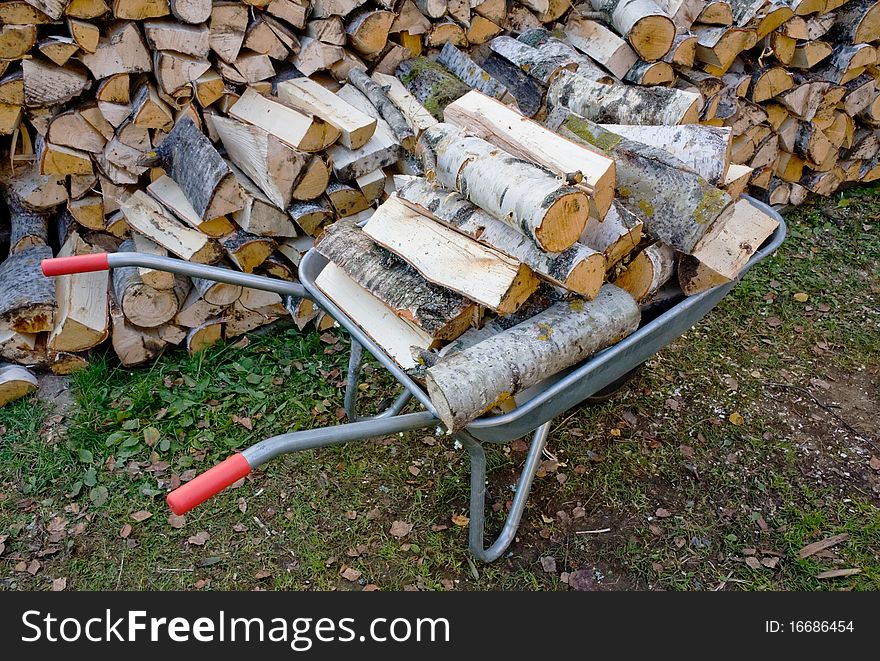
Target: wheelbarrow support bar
[{"x": 232, "y": 469}]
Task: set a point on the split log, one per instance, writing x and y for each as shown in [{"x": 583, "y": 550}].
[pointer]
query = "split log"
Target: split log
[
  {"x": 15, "y": 382},
  {"x": 578, "y": 269},
  {"x": 448, "y": 259},
  {"x": 316, "y": 55},
  {"x": 646, "y": 27},
  {"x": 247, "y": 251},
  {"x": 649, "y": 270},
  {"x": 616, "y": 236},
  {"x": 203, "y": 336},
  {"x": 21, "y": 348},
  {"x": 440, "y": 313},
  {"x": 346, "y": 199},
  {"x": 368, "y": 30},
  {"x": 151, "y": 277},
  {"x": 172, "y": 197},
  {"x": 133, "y": 345},
  {"x": 27, "y": 297},
  {"x": 650, "y": 73},
  {"x": 507, "y": 129},
  {"x": 601, "y": 44},
  {"x": 259, "y": 215},
  {"x": 81, "y": 321},
  {"x": 195, "y": 311},
  {"x": 528, "y": 92},
  {"x": 272, "y": 164},
  {"x": 307, "y": 96},
  {"x": 704, "y": 149},
  {"x": 527, "y": 197},
  {"x": 857, "y": 22},
  {"x": 148, "y": 217},
  {"x": 623, "y": 104},
  {"x": 372, "y": 185},
  {"x": 724, "y": 250},
  {"x": 46, "y": 84},
  {"x": 464, "y": 385},
  {"x": 227, "y": 29},
  {"x": 309, "y": 216},
  {"x": 291, "y": 127},
  {"x": 121, "y": 50},
  {"x": 675, "y": 204},
  {"x": 203, "y": 176},
  {"x": 395, "y": 335}
]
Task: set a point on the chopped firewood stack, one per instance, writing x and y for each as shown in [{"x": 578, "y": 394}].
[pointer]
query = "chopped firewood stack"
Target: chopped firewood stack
[{"x": 470, "y": 170}]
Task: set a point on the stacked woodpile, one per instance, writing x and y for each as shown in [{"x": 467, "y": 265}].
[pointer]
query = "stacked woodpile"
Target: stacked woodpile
[{"x": 236, "y": 133}]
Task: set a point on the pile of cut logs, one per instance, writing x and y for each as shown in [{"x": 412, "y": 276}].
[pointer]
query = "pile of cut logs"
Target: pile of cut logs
[{"x": 600, "y": 144}]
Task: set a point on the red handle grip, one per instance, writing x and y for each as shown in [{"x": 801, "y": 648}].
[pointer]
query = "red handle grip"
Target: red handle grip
[
  {"x": 75, "y": 264},
  {"x": 208, "y": 484}
]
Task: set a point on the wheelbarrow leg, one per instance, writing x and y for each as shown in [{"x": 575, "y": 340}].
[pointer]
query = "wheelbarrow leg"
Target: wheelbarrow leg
[
  {"x": 355, "y": 362},
  {"x": 477, "y": 524}
]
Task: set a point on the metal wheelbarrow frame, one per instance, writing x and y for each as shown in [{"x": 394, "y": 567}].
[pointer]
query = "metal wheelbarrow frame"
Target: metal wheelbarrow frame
[{"x": 536, "y": 408}]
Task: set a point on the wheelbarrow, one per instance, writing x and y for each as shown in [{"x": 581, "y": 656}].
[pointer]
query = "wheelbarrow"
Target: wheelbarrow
[{"x": 536, "y": 408}]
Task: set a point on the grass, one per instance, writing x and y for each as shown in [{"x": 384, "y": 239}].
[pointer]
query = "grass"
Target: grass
[{"x": 707, "y": 475}]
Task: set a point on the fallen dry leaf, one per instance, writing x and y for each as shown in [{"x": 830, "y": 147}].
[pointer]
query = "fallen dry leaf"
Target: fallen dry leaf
[
  {"x": 370, "y": 587},
  {"x": 414, "y": 470},
  {"x": 351, "y": 515},
  {"x": 548, "y": 564},
  {"x": 34, "y": 567},
  {"x": 125, "y": 531},
  {"x": 244, "y": 422},
  {"x": 400, "y": 528},
  {"x": 176, "y": 521},
  {"x": 753, "y": 562},
  {"x": 460, "y": 520},
  {"x": 875, "y": 463},
  {"x": 662, "y": 513},
  {"x": 773, "y": 322},
  {"x": 655, "y": 530},
  {"x": 199, "y": 538},
  {"x": 141, "y": 515},
  {"x": 801, "y": 297},
  {"x": 839, "y": 573},
  {"x": 239, "y": 527},
  {"x": 737, "y": 419},
  {"x": 770, "y": 563},
  {"x": 59, "y": 584},
  {"x": 263, "y": 573},
  {"x": 822, "y": 544},
  {"x": 350, "y": 573}
]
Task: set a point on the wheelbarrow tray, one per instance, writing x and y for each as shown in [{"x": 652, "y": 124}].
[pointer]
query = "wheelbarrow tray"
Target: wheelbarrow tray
[{"x": 572, "y": 386}]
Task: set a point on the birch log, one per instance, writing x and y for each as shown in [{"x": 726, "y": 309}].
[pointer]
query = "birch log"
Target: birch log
[
  {"x": 704, "y": 149},
  {"x": 675, "y": 204},
  {"x": 389, "y": 112},
  {"x": 508, "y": 129},
  {"x": 615, "y": 236},
  {"x": 647, "y": 272},
  {"x": 623, "y": 104},
  {"x": 27, "y": 297},
  {"x": 27, "y": 228},
  {"x": 15, "y": 383},
  {"x": 646, "y": 27},
  {"x": 464, "y": 385},
  {"x": 82, "y": 319},
  {"x": 451, "y": 260},
  {"x": 464, "y": 67},
  {"x": 442, "y": 314},
  {"x": 545, "y": 42},
  {"x": 204, "y": 177},
  {"x": 601, "y": 44},
  {"x": 579, "y": 268},
  {"x": 527, "y": 197}
]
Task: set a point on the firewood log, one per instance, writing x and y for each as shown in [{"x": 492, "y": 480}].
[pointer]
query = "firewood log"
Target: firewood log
[
  {"x": 28, "y": 228},
  {"x": 623, "y": 104},
  {"x": 503, "y": 284},
  {"x": 247, "y": 251},
  {"x": 550, "y": 46},
  {"x": 675, "y": 204},
  {"x": 171, "y": 196},
  {"x": 27, "y": 297},
  {"x": 578, "y": 269},
  {"x": 81, "y": 321},
  {"x": 151, "y": 277},
  {"x": 259, "y": 215},
  {"x": 646, "y": 27},
  {"x": 431, "y": 84},
  {"x": 464, "y": 385},
  {"x": 527, "y": 197},
  {"x": 498, "y": 124},
  {"x": 203, "y": 336},
  {"x": 470, "y": 72},
  {"x": 15, "y": 382},
  {"x": 725, "y": 248},
  {"x": 615, "y": 236},
  {"x": 307, "y": 96},
  {"x": 601, "y": 44},
  {"x": 442, "y": 314},
  {"x": 649, "y": 270}
]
